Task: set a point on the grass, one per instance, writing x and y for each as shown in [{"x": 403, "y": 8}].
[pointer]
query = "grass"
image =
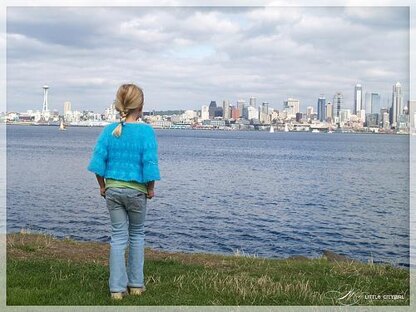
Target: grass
[{"x": 42, "y": 270}]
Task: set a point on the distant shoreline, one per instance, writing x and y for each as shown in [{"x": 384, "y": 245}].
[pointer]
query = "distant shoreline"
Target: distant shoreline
[{"x": 204, "y": 129}]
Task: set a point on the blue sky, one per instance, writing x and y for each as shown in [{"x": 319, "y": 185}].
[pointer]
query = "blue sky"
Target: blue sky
[{"x": 184, "y": 57}]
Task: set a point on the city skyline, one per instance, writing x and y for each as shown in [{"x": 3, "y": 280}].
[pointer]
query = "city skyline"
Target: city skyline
[
  {"x": 186, "y": 57},
  {"x": 366, "y": 101}
]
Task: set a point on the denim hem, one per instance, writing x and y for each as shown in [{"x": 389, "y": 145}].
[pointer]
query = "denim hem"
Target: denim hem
[{"x": 136, "y": 286}]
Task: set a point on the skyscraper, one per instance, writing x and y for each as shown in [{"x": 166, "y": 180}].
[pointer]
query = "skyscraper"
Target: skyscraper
[
  {"x": 321, "y": 108},
  {"x": 226, "y": 109},
  {"x": 329, "y": 112},
  {"x": 338, "y": 104},
  {"x": 358, "y": 98},
  {"x": 396, "y": 105},
  {"x": 252, "y": 113},
  {"x": 240, "y": 105},
  {"x": 264, "y": 113},
  {"x": 367, "y": 102},
  {"x": 375, "y": 103},
  {"x": 67, "y": 107},
  {"x": 212, "y": 109},
  {"x": 291, "y": 106},
  {"x": 204, "y": 112}
]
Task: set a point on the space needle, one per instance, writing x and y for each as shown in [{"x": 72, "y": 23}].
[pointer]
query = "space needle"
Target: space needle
[{"x": 45, "y": 108}]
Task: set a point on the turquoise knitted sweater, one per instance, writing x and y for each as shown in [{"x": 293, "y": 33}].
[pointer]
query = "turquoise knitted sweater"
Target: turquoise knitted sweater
[{"x": 130, "y": 157}]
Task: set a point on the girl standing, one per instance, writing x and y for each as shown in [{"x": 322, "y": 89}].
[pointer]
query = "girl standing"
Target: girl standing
[{"x": 125, "y": 162}]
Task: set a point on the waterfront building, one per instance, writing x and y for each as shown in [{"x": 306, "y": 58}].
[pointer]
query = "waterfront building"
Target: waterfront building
[
  {"x": 215, "y": 123},
  {"x": 264, "y": 113},
  {"x": 235, "y": 113},
  {"x": 329, "y": 112},
  {"x": 275, "y": 116},
  {"x": 358, "y": 98},
  {"x": 204, "y": 112},
  {"x": 218, "y": 112},
  {"x": 76, "y": 116},
  {"x": 226, "y": 112},
  {"x": 309, "y": 111},
  {"x": 161, "y": 124},
  {"x": 189, "y": 115},
  {"x": 371, "y": 120},
  {"x": 321, "y": 108},
  {"x": 299, "y": 117},
  {"x": 67, "y": 107},
  {"x": 396, "y": 105},
  {"x": 212, "y": 109},
  {"x": 67, "y": 111},
  {"x": 403, "y": 122},
  {"x": 252, "y": 113},
  {"x": 361, "y": 115},
  {"x": 385, "y": 119},
  {"x": 240, "y": 105},
  {"x": 291, "y": 107},
  {"x": 110, "y": 113},
  {"x": 344, "y": 116}
]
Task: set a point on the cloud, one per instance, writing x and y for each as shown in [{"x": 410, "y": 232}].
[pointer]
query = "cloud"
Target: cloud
[{"x": 184, "y": 57}]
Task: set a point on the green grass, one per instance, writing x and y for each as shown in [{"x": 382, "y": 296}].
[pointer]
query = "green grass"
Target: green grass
[{"x": 179, "y": 279}]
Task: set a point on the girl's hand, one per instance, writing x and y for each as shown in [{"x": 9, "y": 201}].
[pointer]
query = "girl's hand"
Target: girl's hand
[
  {"x": 102, "y": 191},
  {"x": 150, "y": 194}
]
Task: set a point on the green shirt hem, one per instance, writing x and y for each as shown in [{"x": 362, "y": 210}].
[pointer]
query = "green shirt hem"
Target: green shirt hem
[{"x": 126, "y": 184}]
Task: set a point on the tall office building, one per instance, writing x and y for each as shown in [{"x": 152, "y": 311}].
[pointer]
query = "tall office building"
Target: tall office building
[
  {"x": 375, "y": 103},
  {"x": 212, "y": 108},
  {"x": 358, "y": 98},
  {"x": 367, "y": 102},
  {"x": 240, "y": 105},
  {"x": 264, "y": 113},
  {"x": 226, "y": 111},
  {"x": 67, "y": 108},
  {"x": 235, "y": 113},
  {"x": 384, "y": 118},
  {"x": 291, "y": 106},
  {"x": 252, "y": 113},
  {"x": 252, "y": 101},
  {"x": 372, "y": 102},
  {"x": 321, "y": 108},
  {"x": 338, "y": 105},
  {"x": 329, "y": 112},
  {"x": 204, "y": 112},
  {"x": 396, "y": 105}
]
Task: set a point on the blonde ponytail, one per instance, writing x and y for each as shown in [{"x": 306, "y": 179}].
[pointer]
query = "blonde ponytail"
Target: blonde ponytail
[
  {"x": 129, "y": 97},
  {"x": 117, "y": 131}
]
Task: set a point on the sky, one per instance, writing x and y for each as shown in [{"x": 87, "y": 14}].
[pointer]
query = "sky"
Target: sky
[{"x": 185, "y": 57}]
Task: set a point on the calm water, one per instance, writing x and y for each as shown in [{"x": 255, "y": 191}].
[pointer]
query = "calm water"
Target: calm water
[{"x": 273, "y": 195}]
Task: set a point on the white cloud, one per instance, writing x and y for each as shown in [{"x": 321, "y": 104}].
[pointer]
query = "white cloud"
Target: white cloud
[{"x": 186, "y": 57}]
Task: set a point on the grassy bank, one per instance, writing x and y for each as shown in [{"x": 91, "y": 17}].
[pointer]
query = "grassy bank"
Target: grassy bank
[{"x": 42, "y": 270}]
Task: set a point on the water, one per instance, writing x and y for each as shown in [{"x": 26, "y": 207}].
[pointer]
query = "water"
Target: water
[{"x": 273, "y": 195}]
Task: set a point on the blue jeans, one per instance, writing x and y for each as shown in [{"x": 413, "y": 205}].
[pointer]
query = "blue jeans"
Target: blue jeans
[{"x": 127, "y": 209}]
